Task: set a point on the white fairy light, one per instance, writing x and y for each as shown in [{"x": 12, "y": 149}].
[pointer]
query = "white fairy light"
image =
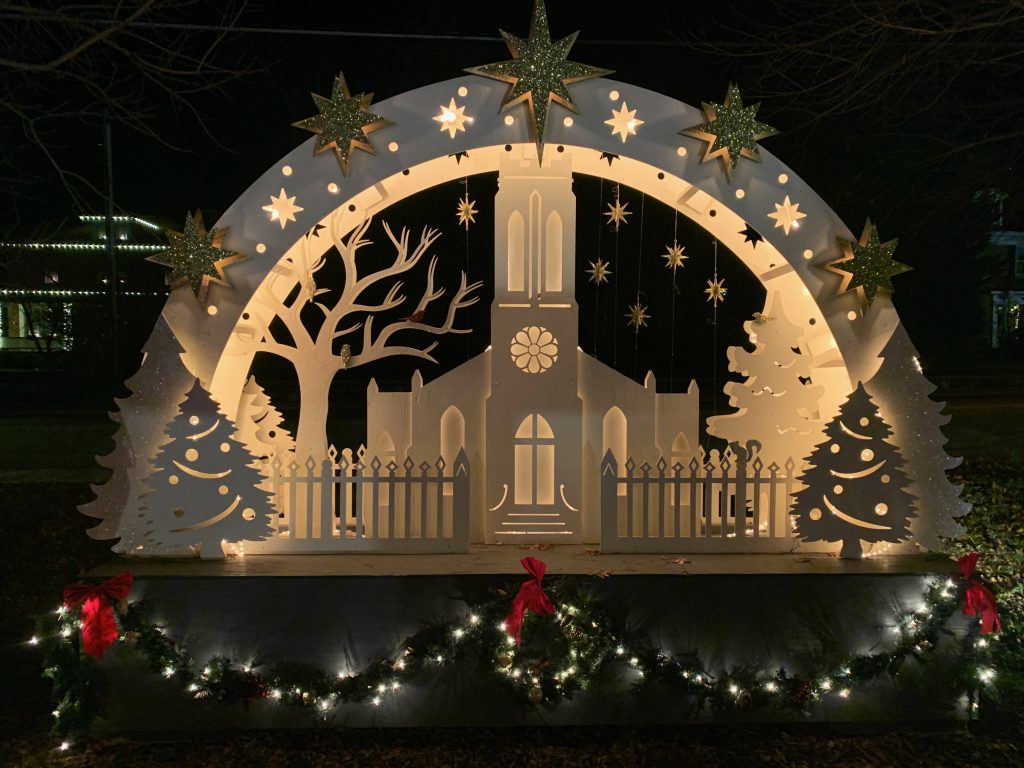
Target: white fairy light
[
  {"x": 33, "y": 640},
  {"x": 376, "y": 700},
  {"x": 845, "y": 693},
  {"x": 734, "y": 689},
  {"x": 986, "y": 674},
  {"x": 474, "y": 619},
  {"x": 64, "y": 746},
  {"x": 458, "y": 633},
  {"x": 168, "y": 671}
]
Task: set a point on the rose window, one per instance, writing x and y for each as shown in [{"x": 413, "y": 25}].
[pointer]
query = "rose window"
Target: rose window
[{"x": 534, "y": 349}]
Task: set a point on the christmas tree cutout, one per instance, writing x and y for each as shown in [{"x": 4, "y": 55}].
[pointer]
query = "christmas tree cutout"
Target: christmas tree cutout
[
  {"x": 204, "y": 490},
  {"x": 260, "y": 424},
  {"x": 854, "y": 488},
  {"x": 778, "y": 404}
]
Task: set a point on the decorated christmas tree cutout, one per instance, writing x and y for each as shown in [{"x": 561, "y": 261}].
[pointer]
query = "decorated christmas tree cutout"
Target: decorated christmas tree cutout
[
  {"x": 778, "y": 404},
  {"x": 854, "y": 488},
  {"x": 204, "y": 490}
]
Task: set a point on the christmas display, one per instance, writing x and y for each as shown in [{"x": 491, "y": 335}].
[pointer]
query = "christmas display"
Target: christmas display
[
  {"x": 581, "y": 647},
  {"x": 293, "y": 270},
  {"x": 855, "y": 486}
]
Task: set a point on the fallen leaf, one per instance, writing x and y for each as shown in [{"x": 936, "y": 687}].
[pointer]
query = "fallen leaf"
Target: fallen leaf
[
  {"x": 535, "y": 547},
  {"x": 602, "y": 574},
  {"x": 593, "y": 552}
]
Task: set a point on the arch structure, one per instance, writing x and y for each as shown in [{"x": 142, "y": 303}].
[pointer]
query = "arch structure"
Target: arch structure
[{"x": 846, "y": 344}]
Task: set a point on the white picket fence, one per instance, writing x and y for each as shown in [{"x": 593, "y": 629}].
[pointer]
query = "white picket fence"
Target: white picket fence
[
  {"x": 718, "y": 502},
  {"x": 344, "y": 503}
]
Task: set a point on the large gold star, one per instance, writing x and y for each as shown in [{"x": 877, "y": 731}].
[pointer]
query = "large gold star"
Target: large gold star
[
  {"x": 282, "y": 208},
  {"x": 787, "y": 215},
  {"x": 195, "y": 256},
  {"x": 539, "y": 73},
  {"x": 867, "y": 265},
  {"x": 617, "y": 213},
  {"x": 453, "y": 118},
  {"x": 637, "y": 316},
  {"x": 624, "y": 122},
  {"x": 466, "y": 211},
  {"x": 344, "y": 123},
  {"x": 716, "y": 291},
  {"x": 599, "y": 271},
  {"x": 675, "y": 257},
  {"x": 731, "y": 131}
]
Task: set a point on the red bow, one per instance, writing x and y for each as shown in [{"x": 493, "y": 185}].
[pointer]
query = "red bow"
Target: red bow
[
  {"x": 978, "y": 599},
  {"x": 531, "y": 597},
  {"x": 99, "y": 630}
]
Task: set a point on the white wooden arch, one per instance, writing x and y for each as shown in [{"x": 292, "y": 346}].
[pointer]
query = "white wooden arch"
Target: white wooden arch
[{"x": 413, "y": 155}]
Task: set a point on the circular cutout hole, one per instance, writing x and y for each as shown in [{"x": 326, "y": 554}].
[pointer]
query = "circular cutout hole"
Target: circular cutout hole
[
  {"x": 191, "y": 454},
  {"x": 661, "y": 175},
  {"x": 287, "y": 170},
  {"x": 561, "y": 148},
  {"x": 812, "y": 321},
  {"x": 567, "y": 122},
  {"x": 508, "y": 147},
  {"x": 881, "y": 508},
  {"x": 808, "y": 254},
  {"x": 613, "y": 95},
  {"x": 834, "y": 448},
  {"x": 509, "y": 120},
  {"x": 260, "y": 248},
  {"x": 172, "y": 480},
  {"x": 211, "y": 310},
  {"x": 248, "y": 514},
  {"x": 814, "y": 514},
  {"x": 463, "y": 90},
  {"x": 837, "y": 490},
  {"x": 393, "y": 146},
  {"x": 245, "y": 315},
  {"x": 712, "y": 213},
  {"x": 681, "y": 151},
  {"x": 740, "y": 194},
  {"x": 193, "y": 420},
  {"x": 864, "y": 421},
  {"x": 332, "y": 188},
  {"x": 405, "y": 172},
  {"x": 225, "y": 447},
  {"x": 179, "y": 512},
  {"x": 223, "y": 490},
  {"x": 783, "y": 178},
  {"x": 851, "y": 315},
  {"x": 352, "y": 207}
]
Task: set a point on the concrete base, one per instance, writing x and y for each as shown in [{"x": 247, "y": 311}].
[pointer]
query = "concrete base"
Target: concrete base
[{"x": 339, "y": 623}]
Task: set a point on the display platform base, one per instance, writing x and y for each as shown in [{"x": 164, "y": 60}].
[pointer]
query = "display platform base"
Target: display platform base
[{"x": 342, "y": 612}]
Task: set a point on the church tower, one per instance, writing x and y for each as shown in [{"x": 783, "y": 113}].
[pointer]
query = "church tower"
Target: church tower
[{"x": 534, "y": 412}]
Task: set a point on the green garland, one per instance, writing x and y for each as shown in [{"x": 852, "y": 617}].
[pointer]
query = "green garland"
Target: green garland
[{"x": 562, "y": 653}]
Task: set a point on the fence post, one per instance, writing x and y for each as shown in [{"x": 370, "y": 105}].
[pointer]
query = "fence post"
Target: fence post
[
  {"x": 460, "y": 502},
  {"x": 609, "y": 501}
]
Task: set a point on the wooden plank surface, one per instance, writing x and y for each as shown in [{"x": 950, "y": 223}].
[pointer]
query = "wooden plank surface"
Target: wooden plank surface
[{"x": 490, "y": 559}]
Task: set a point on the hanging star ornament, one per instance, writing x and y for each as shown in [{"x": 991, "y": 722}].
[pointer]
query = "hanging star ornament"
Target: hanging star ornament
[
  {"x": 599, "y": 271},
  {"x": 195, "y": 256},
  {"x": 539, "y": 73},
  {"x": 716, "y": 290},
  {"x": 637, "y": 316},
  {"x": 675, "y": 257},
  {"x": 282, "y": 208},
  {"x": 730, "y": 130},
  {"x": 787, "y": 215},
  {"x": 466, "y": 211},
  {"x": 624, "y": 122},
  {"x": 617, "y": 213},
  {"x": 453, "y": 118},
  {"x": 867, "y": 265},
  {"x": 344, "y": 123}
]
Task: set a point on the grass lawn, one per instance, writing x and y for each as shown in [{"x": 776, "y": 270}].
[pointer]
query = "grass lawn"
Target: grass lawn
[{"x": 46, "y": 464}]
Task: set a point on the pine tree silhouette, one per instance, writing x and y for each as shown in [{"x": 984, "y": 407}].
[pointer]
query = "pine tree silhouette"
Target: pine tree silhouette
[
  {"x": 854, "y": 486},
  {"x": 203, "y": 489}
]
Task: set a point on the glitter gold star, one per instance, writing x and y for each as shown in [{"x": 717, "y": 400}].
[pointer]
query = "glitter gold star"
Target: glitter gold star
[
  {"x": 466, "y": 211},
  {"x": 617, "y": 213},
  {"x": 195, "y": 256},
  {"x": 539, "y": 73},
  {"x": 867, "y": 265},
  {"x": 730, "y": 130},
  {"x": 716, "y": 291},
  {"x": 282, "y": 208},
  {"x": 599, "y": 271},
  {"x": 787, "y": 215},
  {"x": 344, "y": 123},
  {"x": 675, "y": 257},
  {"x": 637, "y": 316},
  {"x": 453, "y": 118},
  {"x": 624, "y": 122}
]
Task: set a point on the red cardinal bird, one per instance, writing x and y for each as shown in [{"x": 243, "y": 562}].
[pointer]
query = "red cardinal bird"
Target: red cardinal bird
[{"x": 416, "y": 316}]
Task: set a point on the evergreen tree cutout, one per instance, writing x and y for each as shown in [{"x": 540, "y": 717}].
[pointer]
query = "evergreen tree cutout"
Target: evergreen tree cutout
[
  {"x": 854, "y": 486},
  {"x": 260, "y": 424},
  {"x": 778, "y": 405},
  {"x": 203, "y": 489}
]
